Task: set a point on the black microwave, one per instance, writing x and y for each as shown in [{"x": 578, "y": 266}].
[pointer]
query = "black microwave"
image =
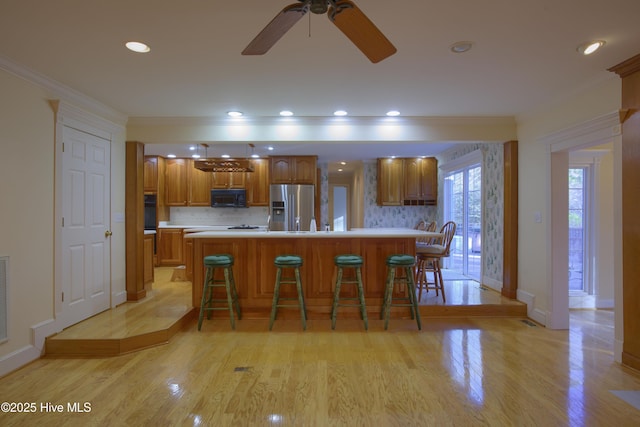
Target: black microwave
[{"x": 234, "y": 198}]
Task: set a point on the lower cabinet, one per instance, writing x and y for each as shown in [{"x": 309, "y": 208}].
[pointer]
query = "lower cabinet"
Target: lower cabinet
[
  {"x": 170, "y": 247},
  {"x": 148, "y": 258}
]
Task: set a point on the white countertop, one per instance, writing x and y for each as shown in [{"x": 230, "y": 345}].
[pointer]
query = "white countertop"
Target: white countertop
[{"x": 360, "y": 232}]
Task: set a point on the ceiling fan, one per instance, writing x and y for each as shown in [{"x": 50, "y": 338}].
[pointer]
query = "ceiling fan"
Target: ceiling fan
[{"x": 343, "y": 13}]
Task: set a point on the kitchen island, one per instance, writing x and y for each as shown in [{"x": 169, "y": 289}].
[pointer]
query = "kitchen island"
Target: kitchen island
[{"x": 254, "y": 271}]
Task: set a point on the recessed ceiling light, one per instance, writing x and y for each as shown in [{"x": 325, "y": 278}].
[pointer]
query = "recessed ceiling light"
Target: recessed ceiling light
[
  {"x": 343, "y": 163},
  {"x": 171, "y": 156},
  {"x": 286, "y": 113},
  {"x": 255, "y": 156},
  {"x": 270, "y": 148},
  {"x": 393, "y": 113},
  {"x": 340, "y": 113},
  {"x": 234, "y": 113},
  {"x": 461, "y": 47},
  {"x": 193, "y": 147},
  {"x": 137, "y": 47},
  {"x": 340, "y": 170},
  {"x": 225, "y": 156},
  {"x": 195, "y": 156},
  {"x": 589, "y": 47}
]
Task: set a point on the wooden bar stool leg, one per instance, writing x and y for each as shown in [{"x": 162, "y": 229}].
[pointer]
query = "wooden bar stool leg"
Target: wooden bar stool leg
[
  {"x": 276, "y": 298},
  {"x": 336, "y": 297},
  {"x": 303, "y": 308},
  {"x": 227, "y": 285},
  {"x": 363, "y": 308},
  {"x": 388, "y": 296},
  {"x": 412, "y": 298},
  {"x": 207, "y": 277}
]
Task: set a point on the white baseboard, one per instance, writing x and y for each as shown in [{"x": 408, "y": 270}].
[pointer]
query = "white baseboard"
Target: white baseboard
[
  {"x": 604, "y": 304},
  {"x": 18, "y": 359},
  {"x": 492, "y": 283},
  {"x": 28, "y": 354},
  {"x": 533, "y": 313},
  {"x": 118, "y": 298}
]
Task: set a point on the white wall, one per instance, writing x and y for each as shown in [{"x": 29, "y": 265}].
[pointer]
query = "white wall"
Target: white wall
[
  {"x": 534, "y": 176},
  {"x": 27, "y": 227},
  {"x": 26, "y": 212}
]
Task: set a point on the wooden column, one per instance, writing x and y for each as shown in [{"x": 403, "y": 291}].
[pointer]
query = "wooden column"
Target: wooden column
[
  {"x": 510, "y": 255},
  {"x": 629, "y": 71},
  {"x": 134, "y": 221}
]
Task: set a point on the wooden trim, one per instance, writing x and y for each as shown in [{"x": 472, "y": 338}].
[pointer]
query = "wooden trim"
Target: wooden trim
[
  {"x": 626, "y": 68},
  {"x": 134, "y": 220},
  {"x": 510, "y": 255}
]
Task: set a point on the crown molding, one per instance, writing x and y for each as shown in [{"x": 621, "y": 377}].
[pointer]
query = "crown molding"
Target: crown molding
[{"x": 60, "y": 91}]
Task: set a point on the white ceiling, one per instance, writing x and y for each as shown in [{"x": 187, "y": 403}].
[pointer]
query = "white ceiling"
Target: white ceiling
[{"x": 524, "y": 56}]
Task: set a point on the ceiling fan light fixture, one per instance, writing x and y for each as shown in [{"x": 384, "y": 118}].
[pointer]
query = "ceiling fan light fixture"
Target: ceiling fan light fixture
[
  {"x": 318, "y": 6},
  {"x": 590, "y": 47},
  {"x": 461, "y": 47}
]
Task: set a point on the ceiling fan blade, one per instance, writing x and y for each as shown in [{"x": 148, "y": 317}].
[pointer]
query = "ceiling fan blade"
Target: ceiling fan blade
[
  {"x": 276, "y": 29},
  {"x": 361, "y": 31}
]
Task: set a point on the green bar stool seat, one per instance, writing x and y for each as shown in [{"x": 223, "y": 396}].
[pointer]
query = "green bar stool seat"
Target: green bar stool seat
[
  {"x": 288, "y": 262},
  {"x": 405, "y": 264},
  {"x": 209, "y": 302},
  {"x": 342, "y": 262}
]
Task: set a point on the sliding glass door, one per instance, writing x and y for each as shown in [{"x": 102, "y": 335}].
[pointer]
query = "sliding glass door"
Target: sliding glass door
[{"x": 463, "y": 205}]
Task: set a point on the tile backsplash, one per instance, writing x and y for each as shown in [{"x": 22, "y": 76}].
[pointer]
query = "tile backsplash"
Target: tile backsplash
[{"x": 218, "y": 216}]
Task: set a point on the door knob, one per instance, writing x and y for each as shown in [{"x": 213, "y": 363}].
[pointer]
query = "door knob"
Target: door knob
[{"x": 107, "y": 233}]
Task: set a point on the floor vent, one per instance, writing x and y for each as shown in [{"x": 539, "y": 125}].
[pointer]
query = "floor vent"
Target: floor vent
[
  {"x": 4, "y": 267},
  {"x": 528, "y": 322},
  {"x": 241, "y": 368}
]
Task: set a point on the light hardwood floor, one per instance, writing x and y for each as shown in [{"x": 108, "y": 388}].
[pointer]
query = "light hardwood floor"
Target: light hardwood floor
[{"x": 457, "y": 371}]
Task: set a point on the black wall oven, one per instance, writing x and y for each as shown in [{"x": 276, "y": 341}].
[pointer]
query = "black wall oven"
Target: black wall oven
[{"x": 150, "y": 201}]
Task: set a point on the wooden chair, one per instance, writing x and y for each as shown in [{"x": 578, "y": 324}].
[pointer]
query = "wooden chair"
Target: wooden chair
[{"x": 428, "y": 260}]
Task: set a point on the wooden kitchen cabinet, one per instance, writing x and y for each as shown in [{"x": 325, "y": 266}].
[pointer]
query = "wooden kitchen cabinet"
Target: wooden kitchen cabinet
[
  {"x": 225, "y": 180},
  {"x": 176, "y": 187},
  {"x": 390, "y": 182},
  {"x": 420, "y": 177},
  {"x": 150, "y": 174},
  {"x": 199, "y": 186},
  {"x": 170, "y": 246},
  {"x": 293, "y": 169},
  {"x": 148, "y": 258},
  {"x": 258, "y": 183}
]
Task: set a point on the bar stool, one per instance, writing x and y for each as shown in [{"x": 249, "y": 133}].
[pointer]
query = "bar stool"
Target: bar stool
[
  {"x": 406, "y": 264},
  {"x": 211, "y": 262},
  {"x": 355, "y": 262},
  {"x": 294, "y": 262}
]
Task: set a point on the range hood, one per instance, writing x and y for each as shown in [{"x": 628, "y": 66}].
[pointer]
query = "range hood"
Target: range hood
[{"x": 223, "y": 165}]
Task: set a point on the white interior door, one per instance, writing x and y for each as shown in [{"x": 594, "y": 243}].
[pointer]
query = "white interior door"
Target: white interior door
[{"x": 85, "y": 251}]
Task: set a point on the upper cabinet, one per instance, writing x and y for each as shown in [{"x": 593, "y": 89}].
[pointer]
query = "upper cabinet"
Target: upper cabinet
[
  {"x": 420, "y": 181},
  {"x": 199, "y": 185},
  {"x": 176, "y": 188},
  {"x": 225, "y": 180},
  {"x": 150, "y": 174},
  {"x": 293, "y": 170},
  {"x": 408, "y": 181},
  {"x": 389, "y": 182},
  {"x": 258, "y": 183}
]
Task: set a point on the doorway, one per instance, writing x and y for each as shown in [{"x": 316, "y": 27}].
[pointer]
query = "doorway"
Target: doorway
[
  {"x": 83, "y": 205},
  {"x": 463, "y": 205}
]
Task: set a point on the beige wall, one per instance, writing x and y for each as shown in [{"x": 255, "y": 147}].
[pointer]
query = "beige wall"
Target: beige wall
[
  {"x": 27, "y": 229},
  {"x": 26, "y": 212},
  {"x": 534, "y": 175}
]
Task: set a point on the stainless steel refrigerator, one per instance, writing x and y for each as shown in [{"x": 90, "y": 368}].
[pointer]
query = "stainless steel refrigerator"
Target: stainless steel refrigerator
[{"x": 289, "y": 203}]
